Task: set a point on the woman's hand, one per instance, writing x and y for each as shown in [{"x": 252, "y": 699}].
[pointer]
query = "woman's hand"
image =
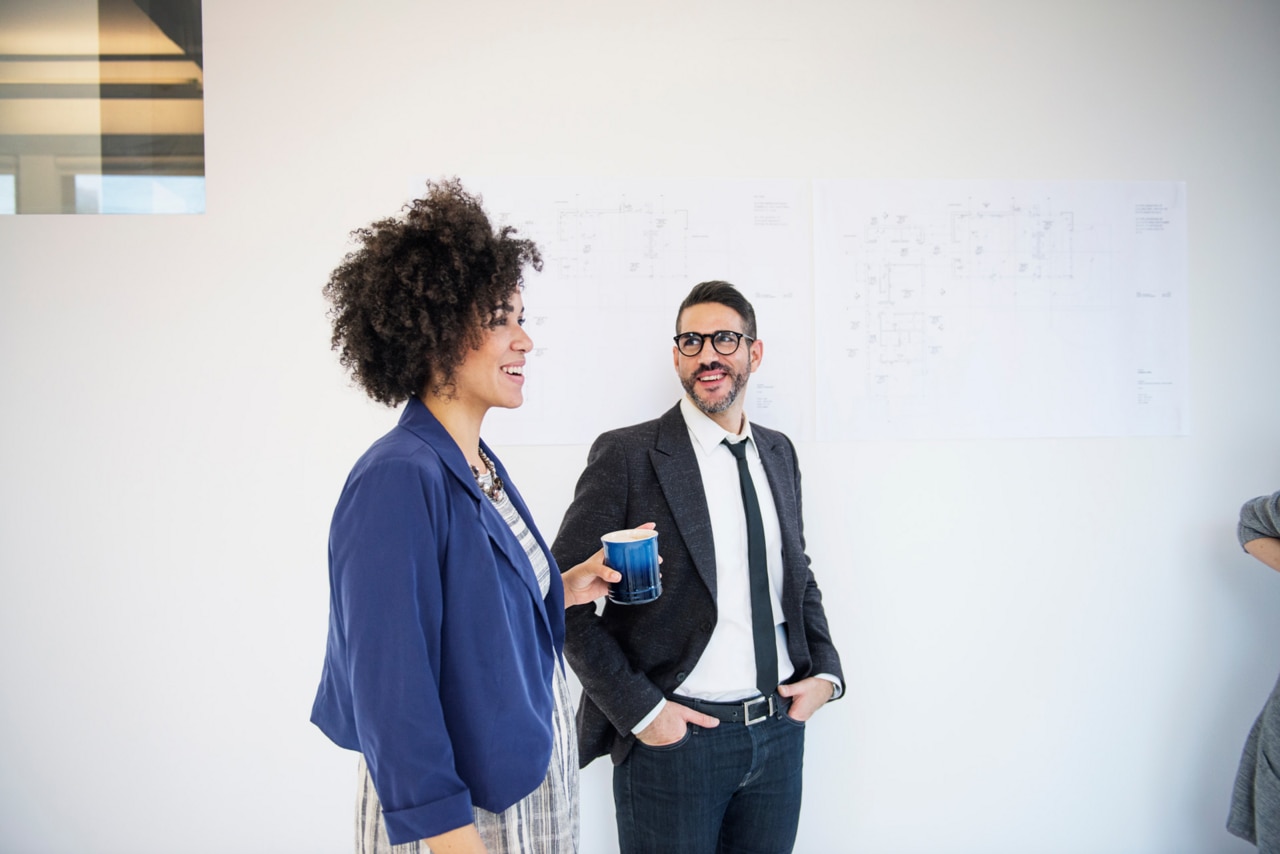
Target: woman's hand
[
  {"x": 464, "y": 840},
  {"x": 590, "y": 580}
]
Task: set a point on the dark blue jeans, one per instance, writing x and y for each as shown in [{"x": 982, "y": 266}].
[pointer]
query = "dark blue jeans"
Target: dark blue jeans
[{"x": 732, "y": 789}]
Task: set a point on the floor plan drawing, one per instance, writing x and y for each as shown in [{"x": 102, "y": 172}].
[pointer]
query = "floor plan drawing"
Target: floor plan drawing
[
  {"x": 890, "y": 309},
  {"x": 980, "y": 309},
  {"x": 619, "y": 256}
]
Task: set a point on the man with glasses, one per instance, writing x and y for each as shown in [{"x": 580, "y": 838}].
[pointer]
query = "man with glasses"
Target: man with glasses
[{"x": 700, "y": 697}]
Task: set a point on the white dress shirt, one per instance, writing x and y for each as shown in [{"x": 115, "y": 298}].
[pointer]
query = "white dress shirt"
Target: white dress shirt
[{"x": 727, "y": 669}]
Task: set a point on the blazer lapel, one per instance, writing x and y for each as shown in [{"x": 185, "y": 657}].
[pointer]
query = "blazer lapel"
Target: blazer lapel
[
  {"x": 780, "y": 482},
  {"x": 782, "y": 486},
  {"x": 501, "y": 535},
  {"x": 676, "y": 467},
  {"x": 510, "y": 544},
  {"x": 418, "y": 419}
]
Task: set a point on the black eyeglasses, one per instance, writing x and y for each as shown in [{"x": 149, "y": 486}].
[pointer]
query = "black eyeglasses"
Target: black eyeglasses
[{"x": 725, "y": 342}]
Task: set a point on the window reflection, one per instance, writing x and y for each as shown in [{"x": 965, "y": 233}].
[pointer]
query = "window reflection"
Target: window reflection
[
  {"x": 8, "y": 200},
  {"x": 136, "y": 194},
  {"x": 101, "y": 106}
]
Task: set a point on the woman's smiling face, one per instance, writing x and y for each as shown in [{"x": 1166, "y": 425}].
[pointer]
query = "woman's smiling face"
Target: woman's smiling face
[{"x": 493, "y": 373}]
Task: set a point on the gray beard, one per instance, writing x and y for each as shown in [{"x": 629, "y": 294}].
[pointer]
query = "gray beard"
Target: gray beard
[{"x": 739, "y": 382}]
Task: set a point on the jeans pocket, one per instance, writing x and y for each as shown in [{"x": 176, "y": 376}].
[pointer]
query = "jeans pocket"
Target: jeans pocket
[
  {"x": 675, "y": 745},
  {"x": 795, "y": 723}
]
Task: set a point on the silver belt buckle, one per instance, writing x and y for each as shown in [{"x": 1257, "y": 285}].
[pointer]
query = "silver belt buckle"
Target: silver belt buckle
[{"x": 746, "y": 710}]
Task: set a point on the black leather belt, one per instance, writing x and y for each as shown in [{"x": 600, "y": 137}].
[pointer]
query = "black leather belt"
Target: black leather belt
[{"x": 753, "y": 711}]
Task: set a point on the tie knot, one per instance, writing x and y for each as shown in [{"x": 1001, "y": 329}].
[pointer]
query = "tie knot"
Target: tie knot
[{"x": 738, "y": 449}]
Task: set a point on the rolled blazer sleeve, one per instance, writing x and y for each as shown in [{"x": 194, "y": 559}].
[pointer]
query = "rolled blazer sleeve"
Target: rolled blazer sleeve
[
  {"x": 386, "y": 588},
  {"x": 823, "y": 657}
]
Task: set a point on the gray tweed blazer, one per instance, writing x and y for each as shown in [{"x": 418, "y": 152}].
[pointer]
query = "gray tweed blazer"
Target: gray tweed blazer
[{"x": 629, "y": 657}]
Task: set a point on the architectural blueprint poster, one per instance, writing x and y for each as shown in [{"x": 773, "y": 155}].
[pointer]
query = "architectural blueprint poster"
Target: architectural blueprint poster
[
  {"x": 888, "y": 309},
  {"x": 1000, "y": 309},
  {"x": 618, "y": 258}
]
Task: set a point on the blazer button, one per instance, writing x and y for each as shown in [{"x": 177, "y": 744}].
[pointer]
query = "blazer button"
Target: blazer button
[{"x": 681, "y": 676}]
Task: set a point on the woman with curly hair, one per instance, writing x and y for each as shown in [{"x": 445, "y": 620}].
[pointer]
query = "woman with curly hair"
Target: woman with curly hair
[{"x": 444, "y": 663}]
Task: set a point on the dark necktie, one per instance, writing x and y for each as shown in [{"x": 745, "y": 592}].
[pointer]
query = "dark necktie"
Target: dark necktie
[{"x": 762, "y": 629}]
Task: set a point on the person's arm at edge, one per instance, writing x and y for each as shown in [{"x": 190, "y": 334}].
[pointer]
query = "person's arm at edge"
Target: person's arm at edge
[
  {"x": 1259, "y": 529},
  {"x": 1265, "y": 549}
]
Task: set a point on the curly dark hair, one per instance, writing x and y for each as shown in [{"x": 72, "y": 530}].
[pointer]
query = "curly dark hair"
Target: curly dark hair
[{"x": 420, "y": 291}]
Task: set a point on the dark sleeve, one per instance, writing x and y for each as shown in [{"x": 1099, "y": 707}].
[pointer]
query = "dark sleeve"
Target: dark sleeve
[
  {"x": 817, "y": 632},
  {"x": 1259, "y": 517},
  {"x": 623, "y": 692}
]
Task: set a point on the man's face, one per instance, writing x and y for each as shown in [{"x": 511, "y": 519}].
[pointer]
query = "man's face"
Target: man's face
[{"x": 715, "y": 382}]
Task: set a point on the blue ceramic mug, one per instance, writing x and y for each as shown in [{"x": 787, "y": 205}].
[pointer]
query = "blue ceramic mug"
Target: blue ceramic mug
[{"x": 634, "y": 553}]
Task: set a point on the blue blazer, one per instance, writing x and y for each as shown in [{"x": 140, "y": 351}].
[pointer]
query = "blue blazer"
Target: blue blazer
[{"x": 441, "y": 649}]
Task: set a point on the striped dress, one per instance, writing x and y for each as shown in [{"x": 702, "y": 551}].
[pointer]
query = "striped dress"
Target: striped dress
[{"x": 546, "y": 820}]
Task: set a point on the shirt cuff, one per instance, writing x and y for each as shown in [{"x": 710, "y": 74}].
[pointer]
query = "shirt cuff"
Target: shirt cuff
[
  {"x": 839, "y": 691},
  {"x": 649, "y": 718}
]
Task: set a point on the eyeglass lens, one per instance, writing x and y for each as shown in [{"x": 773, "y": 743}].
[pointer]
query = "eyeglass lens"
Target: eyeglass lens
[{"x": 724, "y": 342}]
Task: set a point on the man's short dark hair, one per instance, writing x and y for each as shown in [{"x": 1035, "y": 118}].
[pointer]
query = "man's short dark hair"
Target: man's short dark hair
[{"x": 725, "y": 294}]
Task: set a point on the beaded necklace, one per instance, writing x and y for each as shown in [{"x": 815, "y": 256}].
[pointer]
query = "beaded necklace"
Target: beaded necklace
[{"x": 494, "y": 487}]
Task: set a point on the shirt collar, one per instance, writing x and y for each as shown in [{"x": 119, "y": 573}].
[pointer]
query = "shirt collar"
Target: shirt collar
[{"x": 708, "y": 433}]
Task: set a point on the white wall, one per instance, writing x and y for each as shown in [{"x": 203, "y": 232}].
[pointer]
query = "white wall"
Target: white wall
[{"x": 1052, "y": 645}]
